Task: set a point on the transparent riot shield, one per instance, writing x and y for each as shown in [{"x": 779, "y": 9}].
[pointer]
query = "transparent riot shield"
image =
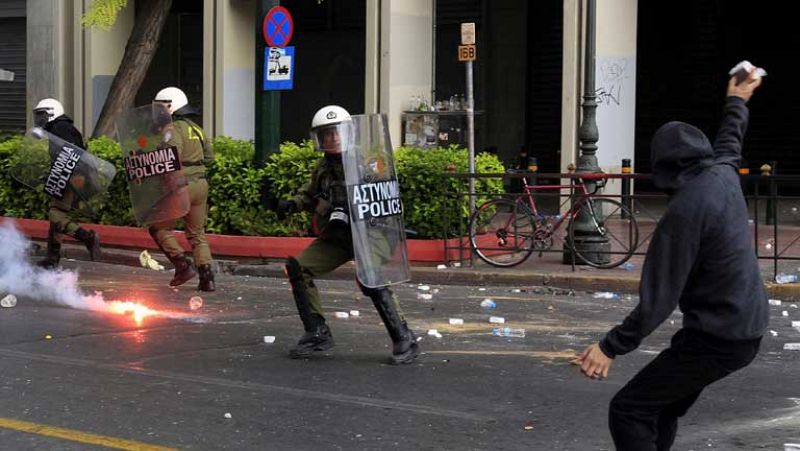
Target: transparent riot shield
[
  {"x": 376, "y": 210},
  {"x": 61, "y": 169},
  {"x": 157, "y": 185}
]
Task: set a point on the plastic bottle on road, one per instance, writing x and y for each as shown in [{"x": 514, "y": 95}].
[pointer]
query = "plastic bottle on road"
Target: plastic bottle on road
[
  {"x": 786, "y": 278},
  {"x": 488, "y": 303},
  {"x": 508, "y": 332}
]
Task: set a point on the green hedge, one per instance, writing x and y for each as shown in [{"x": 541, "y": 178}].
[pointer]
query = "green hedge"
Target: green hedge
[{"x": 237, "y": 188}]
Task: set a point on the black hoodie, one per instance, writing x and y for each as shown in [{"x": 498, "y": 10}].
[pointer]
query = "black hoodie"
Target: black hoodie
[{"x": 701, "y": 255}]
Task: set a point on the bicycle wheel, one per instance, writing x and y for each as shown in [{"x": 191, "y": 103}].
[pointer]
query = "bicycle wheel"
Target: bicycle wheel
[
  {"x": 602, "y": 232},
  {"x": 501, "y": 232}
]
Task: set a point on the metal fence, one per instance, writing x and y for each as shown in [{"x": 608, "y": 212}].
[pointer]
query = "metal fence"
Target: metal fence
[{"x": 774, "y": 217}]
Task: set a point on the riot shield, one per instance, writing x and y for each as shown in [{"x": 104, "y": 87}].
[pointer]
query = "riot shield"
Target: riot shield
[
  {"x": 61, "y": 169},
  {"x": 376, "y": 210},
  {"x": 157, "y": 185}
]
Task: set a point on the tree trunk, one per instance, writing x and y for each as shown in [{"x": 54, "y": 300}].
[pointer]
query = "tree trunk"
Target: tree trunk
[{"x": 151, "y": 15}]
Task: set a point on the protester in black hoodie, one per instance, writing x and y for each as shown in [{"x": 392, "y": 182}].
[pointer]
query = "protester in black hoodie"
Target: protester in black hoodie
[{"x": 701, "y": 258}]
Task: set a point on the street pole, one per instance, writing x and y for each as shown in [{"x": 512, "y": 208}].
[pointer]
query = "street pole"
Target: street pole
[
  {"x": 471, "y": 138},
  {"x": 268, "y": 103},
  {"x": 587, "y": 239}
]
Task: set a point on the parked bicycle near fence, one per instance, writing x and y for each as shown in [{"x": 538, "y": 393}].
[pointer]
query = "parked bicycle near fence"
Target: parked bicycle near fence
[{"x": 505, "y": 232}]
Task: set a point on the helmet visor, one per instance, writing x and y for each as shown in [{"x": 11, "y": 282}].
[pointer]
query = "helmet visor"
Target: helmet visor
[
  {"x": 336, "y": 138},
  {"x": 41, "y": 118}
]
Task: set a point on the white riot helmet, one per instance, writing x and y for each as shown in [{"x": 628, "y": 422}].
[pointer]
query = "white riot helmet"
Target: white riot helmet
[
  {"x": 46, "y": 111},
  {"x": 173, "y": 97},
  {"x": 331, "y": 129}
]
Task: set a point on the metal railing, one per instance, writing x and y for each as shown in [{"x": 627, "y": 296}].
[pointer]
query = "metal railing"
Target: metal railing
[{"x": 774, "y": 218}]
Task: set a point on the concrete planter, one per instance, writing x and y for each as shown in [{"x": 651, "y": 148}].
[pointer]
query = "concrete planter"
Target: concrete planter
[{"x": 231, "y": 246}]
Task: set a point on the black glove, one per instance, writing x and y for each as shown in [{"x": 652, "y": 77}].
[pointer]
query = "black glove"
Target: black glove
[{"x": 286, "y": 207}]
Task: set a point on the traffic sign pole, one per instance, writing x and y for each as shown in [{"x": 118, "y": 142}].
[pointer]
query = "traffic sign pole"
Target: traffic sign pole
[{"x": 268, "y": 103}]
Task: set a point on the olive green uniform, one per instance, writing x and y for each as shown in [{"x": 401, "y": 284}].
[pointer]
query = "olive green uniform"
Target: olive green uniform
[
  {"x": 194, "y": 152},
  {"x": 325, "y": 191}
]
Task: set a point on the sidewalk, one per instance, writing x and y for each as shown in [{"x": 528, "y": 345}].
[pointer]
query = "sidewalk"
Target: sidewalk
[{"x": 547, "y": 271}]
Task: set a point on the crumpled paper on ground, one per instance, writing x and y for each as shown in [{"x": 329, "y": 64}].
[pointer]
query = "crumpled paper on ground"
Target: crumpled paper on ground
[{"x": 147, "y": 261}]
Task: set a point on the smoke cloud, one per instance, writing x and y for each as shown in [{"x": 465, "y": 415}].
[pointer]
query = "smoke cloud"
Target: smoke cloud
[{"x": 19, "y": 277}]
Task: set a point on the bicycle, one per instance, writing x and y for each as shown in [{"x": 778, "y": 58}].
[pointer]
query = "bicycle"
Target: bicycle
[{"x": 506, "y": 232}]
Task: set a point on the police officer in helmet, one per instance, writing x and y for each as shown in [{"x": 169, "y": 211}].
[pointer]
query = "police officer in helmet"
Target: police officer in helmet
[
  {"x": 326, "y": 196},
  {"x": 195, "y": 153},
  {"x": 49, "y": 115}
]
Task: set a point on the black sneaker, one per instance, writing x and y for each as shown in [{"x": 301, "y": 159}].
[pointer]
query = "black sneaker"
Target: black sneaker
[
  {"x": 319, "y": 339},
  {"x": 405, "y": 351}
]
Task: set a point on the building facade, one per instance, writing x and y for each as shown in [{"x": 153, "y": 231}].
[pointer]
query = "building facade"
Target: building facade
[{"x": 654, "y": 63}]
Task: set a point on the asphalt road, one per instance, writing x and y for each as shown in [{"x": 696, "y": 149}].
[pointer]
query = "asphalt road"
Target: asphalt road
[{"x": 205, "y": 379}]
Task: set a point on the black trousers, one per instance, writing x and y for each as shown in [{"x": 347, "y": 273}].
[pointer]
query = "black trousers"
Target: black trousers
[{"x": 643, "y": 415}]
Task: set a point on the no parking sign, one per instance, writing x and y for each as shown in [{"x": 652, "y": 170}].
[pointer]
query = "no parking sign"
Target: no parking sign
[{"x": 278, "y": 28}]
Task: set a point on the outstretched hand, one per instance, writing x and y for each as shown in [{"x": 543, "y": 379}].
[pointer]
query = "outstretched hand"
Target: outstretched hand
[
  {"x": 594, "y": 363},
  {"x": 744, "y": 89}
]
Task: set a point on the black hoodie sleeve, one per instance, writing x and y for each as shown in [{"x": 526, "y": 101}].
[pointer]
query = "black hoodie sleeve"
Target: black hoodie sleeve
[
  {"x": 669, "y": 261},
  {"x": 728, "y": 144}
]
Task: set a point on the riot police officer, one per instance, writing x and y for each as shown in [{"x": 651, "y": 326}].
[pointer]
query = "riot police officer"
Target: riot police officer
[
  {"x": 325, "y": 194},
  {"x": 49, "y": 115},
  {"x": 195, "y": 153}
]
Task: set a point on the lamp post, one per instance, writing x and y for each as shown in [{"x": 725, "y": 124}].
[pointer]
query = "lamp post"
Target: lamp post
[{"x": 587, "y": 240}]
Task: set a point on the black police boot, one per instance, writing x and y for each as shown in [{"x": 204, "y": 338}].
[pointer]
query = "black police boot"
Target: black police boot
[
  {"x": 206, "y": 278},
  {"x": 318, "y": 338},
  {"x": 404, "y": 343},
  {"x": 91, "y": 240},
  {"x": 318, "y": 335},
  {"x": 183, "y": 270},
  {"x": 53, "y": 256}
]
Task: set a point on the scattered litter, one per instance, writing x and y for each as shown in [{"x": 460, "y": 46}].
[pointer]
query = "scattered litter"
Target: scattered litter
[
  {"x": 456, "y": 321},
  {"x": 434, "y": 333},
  {"x": 791, "y": 346},
  {"x": 516, "y": 290},
  {"x": 238, "y": 298},
  {"x": 423, "y": 287},
  {"x": 488, "y": 303},
  {"x": 793, "y": 306},
  {"x": 457, "y": 265},
  {"x": 435, "y": 290},
  {"x": 628, "y": 266},
  {"x": 775, "y": 302},
  {"x": 9, "y": 301},
  {"x": 269, "y": 339},
  {"x": 791, "y": 447},
  {"x": 774, "y": 334},
  {"x": 497, "y": 319},
  {"x": 786, "y": 278},
  {"x": 528, "y": 426},
  {"x": 441, "y": 267},
  {"x": 672, "y": 321},
  {"x": 481, "y": 289},
  {"x": 795, "y": 324},
  {"x": 784, "y": 313},
  {"x": 147, "y": 261},
  {"x": 342, "y": 315},
  {"x": 48, "y": 337},
  {"x": 355, "y": 313},
  {"x": 605, "y": 295},
  {"x": 228, "y": 415},
  {"x": 195, "y": 302},
  {"x": 424, "y": 296},
  {"x": 508, "y": 332}
]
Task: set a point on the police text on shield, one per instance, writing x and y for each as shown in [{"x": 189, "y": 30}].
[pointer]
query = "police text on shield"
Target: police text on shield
[
  {"x": 376, "y": 200},
  {"x": 61, "y": 170},
  {"x": 148, "y": 164}
]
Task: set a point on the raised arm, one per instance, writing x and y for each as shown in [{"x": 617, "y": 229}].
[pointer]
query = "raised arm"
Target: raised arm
[{"x": 728, "y": 143}]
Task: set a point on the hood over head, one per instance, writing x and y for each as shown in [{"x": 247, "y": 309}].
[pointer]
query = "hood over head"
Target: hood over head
[{"x": 678, "y": 153}]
